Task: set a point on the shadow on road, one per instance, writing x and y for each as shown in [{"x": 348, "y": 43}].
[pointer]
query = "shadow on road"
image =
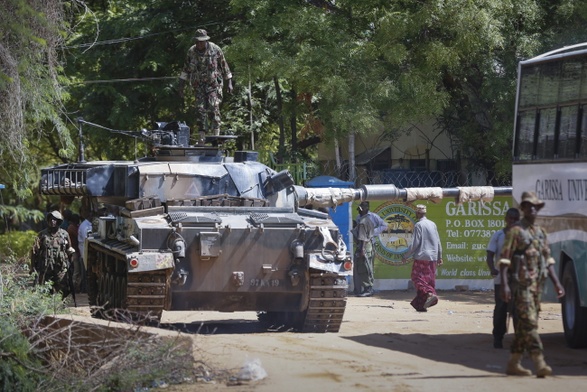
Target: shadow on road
[
  {"x": 475, "y": 351},
  {"x": 224, "y": 327}
]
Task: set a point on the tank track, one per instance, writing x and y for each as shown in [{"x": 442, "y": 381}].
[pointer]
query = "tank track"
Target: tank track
[
  {"x": 115, "y": 294},
  {"x": 328, "y": 297}
]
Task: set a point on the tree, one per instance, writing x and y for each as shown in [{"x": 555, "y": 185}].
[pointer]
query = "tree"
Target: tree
[
  {"x": 126, "y": 59},
  {"x": 378, "y": 65},
  {"x": 31, "y": 86}
]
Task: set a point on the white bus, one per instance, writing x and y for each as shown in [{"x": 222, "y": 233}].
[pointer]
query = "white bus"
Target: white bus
[{"x": 550, "y": 157}]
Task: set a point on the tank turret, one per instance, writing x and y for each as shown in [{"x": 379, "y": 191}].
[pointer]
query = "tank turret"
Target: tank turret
[{"x": 188, "y": 228}]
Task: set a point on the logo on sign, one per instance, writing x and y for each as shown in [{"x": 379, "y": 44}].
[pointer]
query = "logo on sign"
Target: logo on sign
[{"x": 391, "y": 245}]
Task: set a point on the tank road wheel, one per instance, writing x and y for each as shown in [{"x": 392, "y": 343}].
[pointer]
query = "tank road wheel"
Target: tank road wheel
[
  {"x": 574, "y": 316},
  {"x": 327, "y": 302}
]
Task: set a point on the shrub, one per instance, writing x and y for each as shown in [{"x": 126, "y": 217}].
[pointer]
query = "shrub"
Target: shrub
[
  {"x": 40, "y": 351},
  {"x": 16, "y": 243},
  {"x": 20, "y": 368}
]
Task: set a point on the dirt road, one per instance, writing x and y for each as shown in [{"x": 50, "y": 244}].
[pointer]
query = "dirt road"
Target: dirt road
[{"x": 383, "y": 345}]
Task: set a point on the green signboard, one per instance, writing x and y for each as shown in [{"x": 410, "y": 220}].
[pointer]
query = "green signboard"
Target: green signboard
[{"x": 464, "y": 230}]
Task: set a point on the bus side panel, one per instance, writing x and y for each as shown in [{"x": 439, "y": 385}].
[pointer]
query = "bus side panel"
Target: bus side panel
[{"x": 576, "y": 252}]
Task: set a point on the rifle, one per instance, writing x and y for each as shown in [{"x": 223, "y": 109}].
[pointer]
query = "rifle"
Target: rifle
[{"x": 70, "y": 282}]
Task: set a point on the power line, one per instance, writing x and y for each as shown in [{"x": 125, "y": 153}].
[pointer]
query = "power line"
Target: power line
[
  {"x": 128, "y": 39},
  {"x": 126, "y": 80},
  {"x": 119, "y": 40}
]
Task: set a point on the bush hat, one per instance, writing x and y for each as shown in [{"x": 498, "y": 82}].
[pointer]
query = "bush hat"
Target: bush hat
[
  {"x": 530, "y": 197},
  {"x": 201, "y": 35}
]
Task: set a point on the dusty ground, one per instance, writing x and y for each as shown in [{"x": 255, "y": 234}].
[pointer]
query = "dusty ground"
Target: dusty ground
[{"x": 383, "y": 345}]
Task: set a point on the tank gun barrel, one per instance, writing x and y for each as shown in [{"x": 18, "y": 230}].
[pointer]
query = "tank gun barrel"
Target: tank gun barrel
[{"x": 332, "y": 197}]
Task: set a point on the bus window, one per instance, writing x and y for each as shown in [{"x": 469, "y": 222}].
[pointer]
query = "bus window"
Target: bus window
[
  {"x": 549, "y": 84},
  {"x": 583, "y": 81},
  {"x": 568, "y": 132},
  {"x": 546, "y": 142},
  {"x": 529, "y": 82},
  {"x": 583, "y": 150},
  {"x": 525, "y": 135},
  {"x": 570, "y": 89}
]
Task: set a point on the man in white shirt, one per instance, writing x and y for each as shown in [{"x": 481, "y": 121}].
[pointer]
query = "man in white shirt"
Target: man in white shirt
[{"x": 84, "y": 228}]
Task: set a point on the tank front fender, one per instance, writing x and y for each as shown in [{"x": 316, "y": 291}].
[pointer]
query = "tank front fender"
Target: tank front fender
[
  {"x": 318, "y": 262},
  {"x": 149, "y": 261}
]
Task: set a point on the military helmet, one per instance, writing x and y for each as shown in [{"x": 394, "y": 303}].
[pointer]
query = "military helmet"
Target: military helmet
[{"x": 55, "y": 214}]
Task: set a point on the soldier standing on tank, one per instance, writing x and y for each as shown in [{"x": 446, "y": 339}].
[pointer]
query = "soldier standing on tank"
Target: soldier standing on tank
[
  {"x": 524, "y": 265},
  {"x": 51, "y": 255},
  {"x": 206, "y": 70}
]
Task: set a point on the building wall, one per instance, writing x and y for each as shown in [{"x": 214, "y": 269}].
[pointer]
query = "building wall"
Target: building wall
[{"x": 420, "y": 147}]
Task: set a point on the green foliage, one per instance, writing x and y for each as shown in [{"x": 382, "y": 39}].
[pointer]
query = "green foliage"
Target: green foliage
[
  {"x": 20, "y": 368},
  {"x": 129, "y": 54},
  {"x": 32, "y": 92},
  {"x": 366, "y": 66},
  {"x": 17, "y": 363},
  {"x": 16, "y": 243},
  {"x": 37, "y": 354}
]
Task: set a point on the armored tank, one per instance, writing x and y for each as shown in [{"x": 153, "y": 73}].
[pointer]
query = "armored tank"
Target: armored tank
[{"x": 191, "y": 229}]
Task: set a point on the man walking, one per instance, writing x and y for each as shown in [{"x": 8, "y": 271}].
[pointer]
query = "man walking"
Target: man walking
[
  {"x": 206, "y": 70},
  {"x": 51, "y": 255},
  {"x": 367, "y": 226},
  {"x": 427, "y": 252},
  {"x": 500, "y": 311},
  {"x": 524, "y": 265}
]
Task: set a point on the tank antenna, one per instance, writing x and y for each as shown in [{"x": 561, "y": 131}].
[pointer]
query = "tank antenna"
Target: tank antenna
[{"x": 81, "y": 157}]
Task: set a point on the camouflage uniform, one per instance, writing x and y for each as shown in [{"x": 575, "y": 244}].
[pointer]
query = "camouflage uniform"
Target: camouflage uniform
[
  {"x": 527, "y": 254},
  {"x": 206, "y": 71},
  {"x": 50, "y": 259}
]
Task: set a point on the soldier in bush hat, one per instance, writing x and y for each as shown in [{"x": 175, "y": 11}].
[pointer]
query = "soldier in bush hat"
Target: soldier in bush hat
[
  {"x": 206, "y": 70},
  {"x": 51, "y": 255},
  {"x": 530, "y": 197},
  {"x": 525, "y": 264}
]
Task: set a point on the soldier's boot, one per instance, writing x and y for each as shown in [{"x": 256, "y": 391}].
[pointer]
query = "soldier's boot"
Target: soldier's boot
[
  {"x": 542, "y": 369},
  {"x": 515, "y": 367}
]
